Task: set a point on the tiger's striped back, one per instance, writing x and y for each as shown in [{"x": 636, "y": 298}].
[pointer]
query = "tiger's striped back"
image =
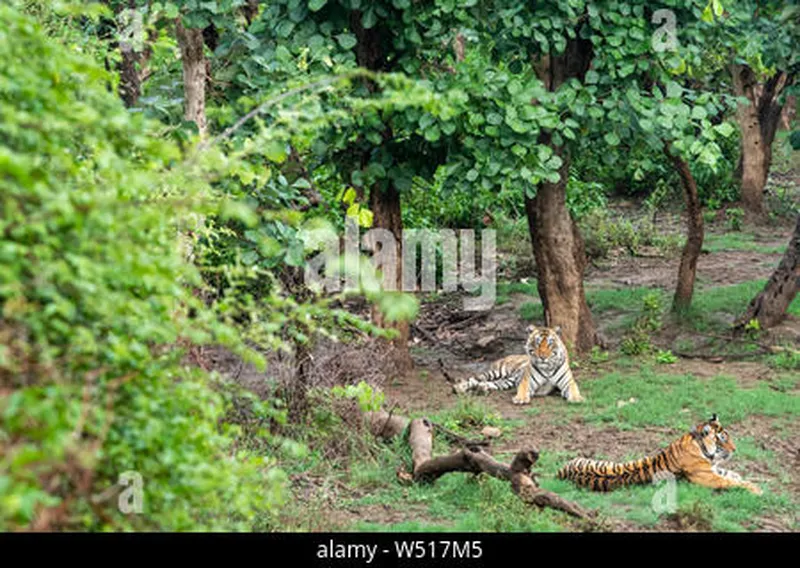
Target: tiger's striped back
[
  {"x": 602, "y": 475},
  {"x": 504, "y": 374}
]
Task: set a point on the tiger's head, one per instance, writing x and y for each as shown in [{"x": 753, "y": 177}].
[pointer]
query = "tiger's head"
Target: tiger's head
[
  {"x": 713, "y": 440},
  {"x": 544, "y": 347}
]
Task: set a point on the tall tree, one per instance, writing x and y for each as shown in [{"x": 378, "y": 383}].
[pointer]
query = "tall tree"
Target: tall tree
[
  {"x": 193, "y": 60},
  {"x": 557, "y": 243},
  {"x": 755, "y": 43}
]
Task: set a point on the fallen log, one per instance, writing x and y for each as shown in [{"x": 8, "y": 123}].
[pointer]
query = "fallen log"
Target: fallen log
[{"x": 472, "y": 458}]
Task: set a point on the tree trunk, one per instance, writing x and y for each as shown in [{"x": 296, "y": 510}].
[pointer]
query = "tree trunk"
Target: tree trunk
[
  {"x": 130, "y": 81},
  {"x": 788, "y": 113},
  {"x": 131, "y": 67},
  {"x": 385, "y": 207},
  {"x": 560, "y": 263},
  {"x": 694, "y": 234},
  {"x": 384, "y": 203},
  {"x": 190, "y": 42},
  {"x": 770, "y": 305},
  {"x": 557, "y": 243},
  {"x": 758, "y": 120}
]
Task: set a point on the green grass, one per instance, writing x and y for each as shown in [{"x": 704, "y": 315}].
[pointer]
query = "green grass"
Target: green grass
[
  {"x": 469, "y": 415},
  {"x": 676, "y": 401},
  {"x": 505, "y": 289},
  {"x": 716, "y": 308},
  {"x": 531, "y": 311},
  {"x": 622, "y": 299},
  {"x": 730, "y": 241},
  {"x": 463, "y": 503}
]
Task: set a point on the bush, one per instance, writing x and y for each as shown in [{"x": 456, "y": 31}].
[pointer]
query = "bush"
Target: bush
[
  {"x": 96, "y": 301},
  {"x": 602, "y": 233}
]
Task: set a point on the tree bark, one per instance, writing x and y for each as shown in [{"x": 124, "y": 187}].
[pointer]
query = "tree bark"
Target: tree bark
[
  {"x": 694, "y": 234},
  {"x": 560, "y": 263},
  {"x": 770, "y": 305},
  {"x": 132, "y": 65},
  {"x": 758, "y": 121},
  {"x": 385, "y": 207},
  {"x": 190, "y": 42},
  {"x": 557, "y": 244},
  {"x": 384, "y": 202}
]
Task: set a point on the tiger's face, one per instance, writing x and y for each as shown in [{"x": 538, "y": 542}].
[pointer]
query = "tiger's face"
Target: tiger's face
[
  {"x": 714, "y": 441},
  {"x": 544, "y": 347}
]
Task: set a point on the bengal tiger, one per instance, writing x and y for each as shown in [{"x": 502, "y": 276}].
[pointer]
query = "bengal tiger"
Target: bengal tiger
[
  {"x": 545, "y": 367},
  {"x": 695, "y": 456}
]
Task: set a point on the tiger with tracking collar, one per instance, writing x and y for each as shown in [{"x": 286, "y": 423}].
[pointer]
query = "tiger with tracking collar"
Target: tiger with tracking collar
[
  {"x": 695, "y": 456},
  {"x": 543, "y": 369}
]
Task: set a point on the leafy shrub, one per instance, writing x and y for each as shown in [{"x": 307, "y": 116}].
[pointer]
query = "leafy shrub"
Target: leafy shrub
[
  {"x": 638, "y": 340},
  {"x": 602, "y": 232},
  {"x": 735, "y": 216},
  {"x": 97, "y": 301}
]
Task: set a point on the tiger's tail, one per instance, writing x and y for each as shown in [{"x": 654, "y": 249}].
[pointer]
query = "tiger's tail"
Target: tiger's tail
[{"x": 601, "y": 475}]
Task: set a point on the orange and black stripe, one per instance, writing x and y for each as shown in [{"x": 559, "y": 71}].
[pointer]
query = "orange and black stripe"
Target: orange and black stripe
[{"x": 601, "y": 475}]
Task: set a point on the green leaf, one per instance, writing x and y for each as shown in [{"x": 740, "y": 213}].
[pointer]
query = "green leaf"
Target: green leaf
[
  {"x": 725, "y": 129},
  {"x": 365, "y": 218},
  {"x": 699, "y": 113},
  {"x": 369, "y": 19},
  {"x": 276, "y": 151},
  {"x": 349, "y": 196},
  {"x": 316, "y": 5},
  {"x": 611, "y": 138},
  {"x": 347, "y": 41},
  {"x": 432, "y": 134}
]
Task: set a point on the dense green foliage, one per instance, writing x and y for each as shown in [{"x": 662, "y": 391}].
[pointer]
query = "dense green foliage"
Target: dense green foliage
[
  {"x": 93, "y": 285},
  {"x": 129, "y": 242}
]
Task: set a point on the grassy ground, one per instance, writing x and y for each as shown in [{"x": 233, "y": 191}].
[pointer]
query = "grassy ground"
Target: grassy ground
[
  {"x": 635, "y": 404},
  {"x": 368, "y": 496}
]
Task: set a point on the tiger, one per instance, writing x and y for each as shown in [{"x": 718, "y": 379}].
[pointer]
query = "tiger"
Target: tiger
[
  {"x": 695, "y": 456},
  {"x": 543, "y": 368}
]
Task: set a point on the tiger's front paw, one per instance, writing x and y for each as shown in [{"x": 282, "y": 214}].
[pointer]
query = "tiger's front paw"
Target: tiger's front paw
[
  {"x": 576, "y": 399},
  {"x": 459, "y": 388},
  {"x": 755, "y": 489},
  {"x": 523, "y": 400}
]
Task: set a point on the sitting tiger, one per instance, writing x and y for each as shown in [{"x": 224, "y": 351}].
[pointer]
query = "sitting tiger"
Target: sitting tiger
[
  {"x": 543, "y": 369},
  {"x": 695, "y": 456}
]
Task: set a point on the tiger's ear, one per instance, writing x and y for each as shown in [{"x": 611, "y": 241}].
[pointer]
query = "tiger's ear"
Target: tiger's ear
[
  {"x": 531, "y": 328},
  {"x": 558, "y": 330}
]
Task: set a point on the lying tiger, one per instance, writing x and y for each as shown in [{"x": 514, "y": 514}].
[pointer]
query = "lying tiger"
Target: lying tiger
[
  {"x": 695, "y": 456},
  {"x": 544, "y": 368}
]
